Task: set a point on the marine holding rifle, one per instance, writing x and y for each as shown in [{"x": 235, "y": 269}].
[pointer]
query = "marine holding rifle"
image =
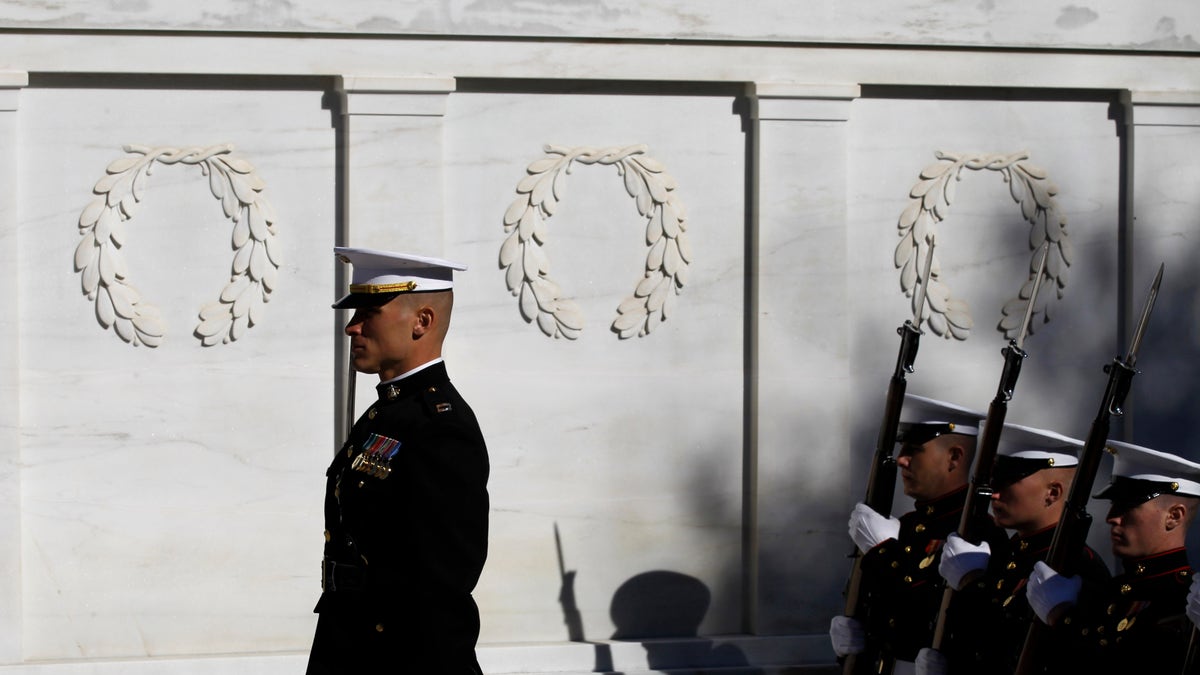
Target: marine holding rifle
[
  {"x": 1136, "y": 623},
  {"x": 1033, "y": 470},
  {"x": 901, "y": 587}
]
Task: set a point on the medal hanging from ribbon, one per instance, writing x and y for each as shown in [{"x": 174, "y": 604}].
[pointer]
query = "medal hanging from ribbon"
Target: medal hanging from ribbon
[{"x": 376, "y": 456}]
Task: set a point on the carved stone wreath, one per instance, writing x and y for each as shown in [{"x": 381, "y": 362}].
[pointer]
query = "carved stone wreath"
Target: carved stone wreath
[
  {"x": 526, "y": 266},
  {"x": 929, "y": 202},
  {"x": 102, "y": 268}
]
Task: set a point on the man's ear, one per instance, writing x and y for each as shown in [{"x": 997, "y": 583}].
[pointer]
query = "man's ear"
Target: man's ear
[
  {"x": 1054, "y": 492},
  {"x": 957, "y": 455},
  {"x": 425, "y": 318},
  {"x": 1176, "y": 515}
]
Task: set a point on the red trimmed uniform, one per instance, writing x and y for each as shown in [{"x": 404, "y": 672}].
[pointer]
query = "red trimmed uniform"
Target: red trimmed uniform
[{"x": 901, "y": 585}]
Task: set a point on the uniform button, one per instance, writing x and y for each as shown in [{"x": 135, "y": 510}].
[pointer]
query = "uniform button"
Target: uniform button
[
  {"x": 1103, "y": 642},
  {"x": 362, "y": 483},
  {"x": 372, "y": 413},
  {"x": 327, "y": 535},
  {"x": 907, "y": 579},
  {"x": 1111, "y": 608},
  {"x": 1126, "y": 589},
  {"x": 378, "y": 628},
  {"x": 1024, "y": 545},
  {"x": 1140, "y": 569},
  {"x": 891, "y": 623},
  {"x": 1011, "y": 566},
  {"x": 929, "y": 510},
  {"x": 920, "y": 527},
  {"x": 895, "y": 564},
  {"x": 908, "y": 549}
]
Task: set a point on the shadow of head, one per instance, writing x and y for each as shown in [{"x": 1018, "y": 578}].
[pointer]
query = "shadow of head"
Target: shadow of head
[{"x": 659, "y": 604}]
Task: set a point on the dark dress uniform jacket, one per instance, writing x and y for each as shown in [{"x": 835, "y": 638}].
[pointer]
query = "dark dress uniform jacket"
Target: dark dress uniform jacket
[
  {"x": 406, "y": 535},
  {"x": 990, "y": 618},
  {"x": 1136, "y": 623},
  {"x": 901, "y": 582}
]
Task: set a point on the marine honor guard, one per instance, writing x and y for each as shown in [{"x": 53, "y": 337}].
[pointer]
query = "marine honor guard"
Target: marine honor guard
[
  {"x": 990, "y": 616},
  {"x": 406, "y": 503},
  {"x": 1136, "y": 623},
  {"x": 901, "y": 586}
]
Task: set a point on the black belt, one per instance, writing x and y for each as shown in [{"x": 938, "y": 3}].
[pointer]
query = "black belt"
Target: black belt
[{"x": 336, "y": 576}]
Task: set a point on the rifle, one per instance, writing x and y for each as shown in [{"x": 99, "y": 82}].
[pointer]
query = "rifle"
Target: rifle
[
  {"x": 881, "y": 484},
  {"x": 566, "y": 595},
  {"x": 1070, "y": 535},
  {"x": 979, "y": 497}
]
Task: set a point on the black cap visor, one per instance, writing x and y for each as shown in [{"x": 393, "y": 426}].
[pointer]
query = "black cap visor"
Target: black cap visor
[
  {"x": 1008, "y": 470},
  {"x": 910, "y": 433},
  {"x": 356, "y": 300},
  {"x": 1126, "y": 493}
]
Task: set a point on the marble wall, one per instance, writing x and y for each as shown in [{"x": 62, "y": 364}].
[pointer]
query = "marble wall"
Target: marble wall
[{"x": 692, "y": 440}]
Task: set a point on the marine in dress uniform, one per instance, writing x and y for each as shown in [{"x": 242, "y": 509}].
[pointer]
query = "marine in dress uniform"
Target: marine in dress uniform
[
  {"x": 406, "y": 504},
  {"x": 1136, "y": 623},
  {"x": 990, "y": 616},
  {"x": 901, "y": 587}
]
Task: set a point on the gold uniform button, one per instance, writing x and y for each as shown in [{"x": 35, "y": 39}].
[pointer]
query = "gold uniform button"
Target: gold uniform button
[
  {"x": 328, "y": 536},
  {"x": 1103, "y": 642},
  {"x": 908, "y": 549},
  {"x": 1024, "y": 545},
  {"x": 372, "y": 413},
  {"x": 1140, "y": 569},
  {"x": 1126, "y": 589},
  {"x": 929, "y": 510},
  {"x": 362, "y": 483},
  {"x": 920, "y": 527},
  {"x": 1011, "y": 566},
  {"x": 378, "y": 628},
  {"x": 895, "y": 564},
  {"x": 1110, "y": 609},
  {"x": 907, "y": 579}
]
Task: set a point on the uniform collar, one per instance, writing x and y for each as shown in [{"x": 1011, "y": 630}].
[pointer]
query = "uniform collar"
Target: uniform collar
[
  {"x": 1158, "y": 564},
  {"x": 412, "y": 381},
  {"x": 1035, "y": 543},
  {"x": 951, "y": 502}
]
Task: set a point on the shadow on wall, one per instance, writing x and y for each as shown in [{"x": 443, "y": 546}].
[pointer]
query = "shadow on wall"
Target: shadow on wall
[{"x": 654, "y": 607}]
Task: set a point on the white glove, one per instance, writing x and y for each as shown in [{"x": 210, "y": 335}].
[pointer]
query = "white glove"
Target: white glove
[
  {"x": 847, "y": 636},
  {"x": 1048, "y": 591},
  {"x": 962, "y": 561},
  {"x": 931, "y": 662},
  {"x": 1193, "y": 602},
  {"x": 868, "y": 528}
]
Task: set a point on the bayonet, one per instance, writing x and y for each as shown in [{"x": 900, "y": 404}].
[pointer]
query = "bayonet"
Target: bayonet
[{"x": 1070, "y": 535}]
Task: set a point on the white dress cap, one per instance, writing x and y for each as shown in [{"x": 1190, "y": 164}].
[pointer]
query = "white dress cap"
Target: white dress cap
[
  {"x": 1023, "y": 442},
  {"x": 378, "y": 276},
  {"x": 928, "y": 412},
  {"x": 1137, "y": 463}
]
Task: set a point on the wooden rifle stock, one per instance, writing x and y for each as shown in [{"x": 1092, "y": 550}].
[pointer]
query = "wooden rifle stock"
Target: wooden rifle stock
[
  {"x": 881, "y": 485},
  {"x": 979, "y": 497},
  {"x": 1070, "y": 535}
]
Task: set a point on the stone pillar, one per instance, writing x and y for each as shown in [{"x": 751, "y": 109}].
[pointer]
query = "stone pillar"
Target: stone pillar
[
  {"x": 796, "y": 477},
  {"x": 10, "y": 375},
  {"x": 392, "y": 189},
  {"x": 1164, "y": 130}
]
